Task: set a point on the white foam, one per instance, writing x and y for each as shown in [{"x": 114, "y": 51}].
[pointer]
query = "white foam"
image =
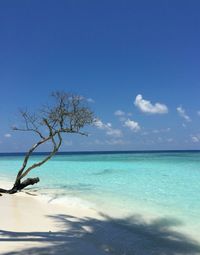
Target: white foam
[
  {"x": 66, "y": 200},
  {"x": 72, "y": 201}
]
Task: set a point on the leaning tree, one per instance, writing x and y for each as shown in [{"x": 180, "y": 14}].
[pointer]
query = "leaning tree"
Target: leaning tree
[{"x": 69, "y": 113}]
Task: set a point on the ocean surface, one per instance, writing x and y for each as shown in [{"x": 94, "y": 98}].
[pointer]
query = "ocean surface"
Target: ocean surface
[{"x": 158, "y": 184}]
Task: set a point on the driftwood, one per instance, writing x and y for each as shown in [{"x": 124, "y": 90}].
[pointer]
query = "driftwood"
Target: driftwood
[{"x": 20, "y": 186}]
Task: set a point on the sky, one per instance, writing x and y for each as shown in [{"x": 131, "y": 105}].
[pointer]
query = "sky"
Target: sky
[{"x": 136, "y": 62}]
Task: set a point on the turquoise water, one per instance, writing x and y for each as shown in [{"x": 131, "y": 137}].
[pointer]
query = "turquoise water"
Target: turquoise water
[{"x": 165, "y": 184}]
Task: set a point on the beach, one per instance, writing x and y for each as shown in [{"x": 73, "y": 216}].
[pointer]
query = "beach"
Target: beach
[
  {"x": 29, "y": 223},
  {"x": 103, "y": 203},
  {"x": 32, "y": 224}
]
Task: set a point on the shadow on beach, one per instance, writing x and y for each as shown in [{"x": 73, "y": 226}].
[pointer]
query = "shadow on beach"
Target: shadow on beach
[{"x": 89, "y": 236}]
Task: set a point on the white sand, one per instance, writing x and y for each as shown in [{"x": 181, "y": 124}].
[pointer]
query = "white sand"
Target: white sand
[
  {"x": 23, "y": 215},
  {"x": 31, "y": 225}
]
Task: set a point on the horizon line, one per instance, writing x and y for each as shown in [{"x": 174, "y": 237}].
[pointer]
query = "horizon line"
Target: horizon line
[{"x": 102, "y": 151}]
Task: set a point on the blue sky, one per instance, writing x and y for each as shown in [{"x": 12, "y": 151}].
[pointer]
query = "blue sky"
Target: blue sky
[{"x": 112, "y": 52}]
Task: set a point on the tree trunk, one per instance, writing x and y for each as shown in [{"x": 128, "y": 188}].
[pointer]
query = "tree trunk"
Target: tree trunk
[{"x": 20, "y": 185}]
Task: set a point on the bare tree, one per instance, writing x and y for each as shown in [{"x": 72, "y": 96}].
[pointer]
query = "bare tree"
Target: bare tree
[{"x": 68, "y": 114}]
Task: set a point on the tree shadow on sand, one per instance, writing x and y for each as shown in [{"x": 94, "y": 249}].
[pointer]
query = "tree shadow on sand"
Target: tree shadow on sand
[{"x": 89, "y": 236}]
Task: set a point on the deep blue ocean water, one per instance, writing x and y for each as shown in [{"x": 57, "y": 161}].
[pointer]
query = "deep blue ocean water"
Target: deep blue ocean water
[{"x": 163, "y": 184}]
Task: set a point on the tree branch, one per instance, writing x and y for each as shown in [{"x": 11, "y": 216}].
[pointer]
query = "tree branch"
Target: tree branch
[
  {"x": 29, "y": 120},
  {"x": 28, "y": 154},
  {"x": 30, "y": 130},
  {"x": 56, "y": 148}
]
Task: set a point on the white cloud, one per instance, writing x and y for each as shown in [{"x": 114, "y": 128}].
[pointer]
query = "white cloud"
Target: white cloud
[
  {"x": 183, "y": 114},
  {"x": 198, "y": 113},
  {"x": 163, "y": 130},
  {"x": 195, "y": 139},
  {"x": 119, "y": 113},
  {"x": 170, "y": 140},
  {"x": 122, "y": 115},
  {"x": 156, "y": 131},
  {"x": 90, "y": 100},
  {"x": 114, "y": 132},
  {"x": 108, "y": 128},
  {"x": 132, "y": 125},
  {"x": 148, "y": 107},
  {"x": 99, "y": 124},
  {"x": 116, "y": 142},
  {"x": 7, "y": 135}
]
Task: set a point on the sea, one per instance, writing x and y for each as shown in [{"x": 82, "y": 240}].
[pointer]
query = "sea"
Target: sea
[{"x": 149, "y": 184}]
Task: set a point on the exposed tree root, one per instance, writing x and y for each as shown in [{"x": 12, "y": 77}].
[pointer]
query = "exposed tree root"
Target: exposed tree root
[{"x": 20, "y": 186}]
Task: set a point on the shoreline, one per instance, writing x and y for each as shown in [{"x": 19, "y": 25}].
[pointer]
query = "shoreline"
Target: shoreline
[{"x": 33, "y": 225}]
